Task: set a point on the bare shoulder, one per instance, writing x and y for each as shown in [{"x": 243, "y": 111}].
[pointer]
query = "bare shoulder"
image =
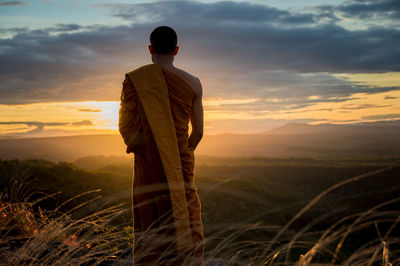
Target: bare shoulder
[{"x": 193, "y": 81}]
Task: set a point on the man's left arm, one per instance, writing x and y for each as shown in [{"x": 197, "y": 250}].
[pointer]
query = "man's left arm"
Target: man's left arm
[{"x": 197, "y": 116}]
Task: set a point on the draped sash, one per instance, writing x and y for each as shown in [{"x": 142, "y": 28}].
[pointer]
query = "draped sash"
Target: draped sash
[{"x": 152, "y": 91}]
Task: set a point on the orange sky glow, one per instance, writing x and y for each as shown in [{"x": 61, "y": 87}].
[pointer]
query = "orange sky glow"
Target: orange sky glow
[{"x": 102, "y": 116}]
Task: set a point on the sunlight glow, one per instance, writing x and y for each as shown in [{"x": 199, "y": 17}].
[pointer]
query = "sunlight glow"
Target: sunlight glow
[{"x": 101, "y": 117}]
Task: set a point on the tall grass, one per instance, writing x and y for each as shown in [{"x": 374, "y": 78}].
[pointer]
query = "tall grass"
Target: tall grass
[{"x": 32, "y": 236}]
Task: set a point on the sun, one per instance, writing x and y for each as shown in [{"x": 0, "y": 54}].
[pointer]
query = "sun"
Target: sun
[{"x": 103, "y": 113}]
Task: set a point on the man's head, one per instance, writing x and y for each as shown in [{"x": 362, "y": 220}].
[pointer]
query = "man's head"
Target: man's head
[{"x": 163, "y": 40}]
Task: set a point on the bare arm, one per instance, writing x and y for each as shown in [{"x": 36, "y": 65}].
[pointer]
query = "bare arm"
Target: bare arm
[{"x": 197, "y": 117}]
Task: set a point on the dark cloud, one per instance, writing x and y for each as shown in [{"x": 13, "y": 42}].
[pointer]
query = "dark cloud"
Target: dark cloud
[
  {"x": 58, "y": 28},
  {"x": 64, "y": 28},
  {"x": 280, "y": 42},
  {"x": 366, "y": 12},
  {"x": 13, "y": 30},
  {"x": 367, "y": 9},
  {"x": 12, "y": 3},
  {"x": 363, "y": 106},
  {"x": 263, "y": 106},
  {"x": 39, "y": 126},
  {"x": 377, "y": 117},
  {"x": 237, "y": 49},
  {"x": 286, "y": 89},
  {"x": 391, "y": 97},
  {"x": 219, "y": 12},
  {"x": 38, "y": 66},
  {"x": 326, "y": 14}
]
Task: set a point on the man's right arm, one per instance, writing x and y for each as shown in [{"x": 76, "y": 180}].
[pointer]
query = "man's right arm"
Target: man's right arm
[{"x": 197, "y": 116}]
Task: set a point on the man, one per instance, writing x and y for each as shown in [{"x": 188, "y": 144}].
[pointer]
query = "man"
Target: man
[{"x": 157, "y": 102}]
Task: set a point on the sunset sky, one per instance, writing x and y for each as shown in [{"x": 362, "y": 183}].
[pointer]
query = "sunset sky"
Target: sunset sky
[{"x": 262, "y": 63}]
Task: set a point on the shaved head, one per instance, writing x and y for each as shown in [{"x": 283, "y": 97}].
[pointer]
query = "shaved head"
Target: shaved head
[{"x": 163, "y": 40}]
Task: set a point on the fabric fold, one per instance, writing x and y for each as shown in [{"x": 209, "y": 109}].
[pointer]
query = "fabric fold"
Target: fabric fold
[{"x": 152, "y": 92}]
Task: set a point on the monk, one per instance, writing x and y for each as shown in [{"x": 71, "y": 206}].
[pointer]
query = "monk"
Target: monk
[{"x": 157, "y": 103}]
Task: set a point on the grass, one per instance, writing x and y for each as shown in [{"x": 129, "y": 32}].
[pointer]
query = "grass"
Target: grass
[
  {"x": 68, "y": 235},
  {"x": 30, "y": 235}
]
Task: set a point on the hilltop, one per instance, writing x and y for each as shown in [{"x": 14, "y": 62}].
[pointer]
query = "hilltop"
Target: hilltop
[{"x": 290, "y": 140}]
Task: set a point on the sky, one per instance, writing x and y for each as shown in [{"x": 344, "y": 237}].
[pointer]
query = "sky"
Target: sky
[{"x": 262, "y": 64}]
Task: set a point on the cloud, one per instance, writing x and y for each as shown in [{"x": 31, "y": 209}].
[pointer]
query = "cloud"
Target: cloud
[
  {"x": 378, "y": 117},
  {"x": 13, "y": 30},
  {"x": 58, "y": 28},
  {"x": 367, "y": 9},
  {"x": 39, "y": 126},
  {"x": 218, "y": 12},
  {"x": 12, "y": 3},
  {"x": 237, "y": 49},
  {"x": 269, "y": 38},
  {"x": 89, "y": 110},
  {"x": 64, "y": 28},
  {"x": 362, "y": 13},
  {"x": 391, "y": 97},
  {"x": 363, "y": 106},
  {"x": 82, "y": 123}
]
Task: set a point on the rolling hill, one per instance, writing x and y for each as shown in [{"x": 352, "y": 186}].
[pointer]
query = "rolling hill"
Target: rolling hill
[{"x": 290, "y": 140}]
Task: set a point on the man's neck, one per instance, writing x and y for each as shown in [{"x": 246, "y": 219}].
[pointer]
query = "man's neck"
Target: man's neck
[{"x": 163, "y": 60}]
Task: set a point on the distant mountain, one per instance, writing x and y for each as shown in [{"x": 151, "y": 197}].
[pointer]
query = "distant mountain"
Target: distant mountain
[
  {"x": 359, "y": 128},
  {"x": 290, "y": 140},
  {"x": 61, "y": 148},
  {"x": 300, "y": 128},
  {"x": 297, "y": 139}
]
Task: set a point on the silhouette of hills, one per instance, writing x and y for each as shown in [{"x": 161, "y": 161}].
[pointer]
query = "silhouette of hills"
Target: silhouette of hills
[
  {"x": 290, "y": 140},
  {"x": 324, "y": 140},
  {"x": 359, "y": 128}
]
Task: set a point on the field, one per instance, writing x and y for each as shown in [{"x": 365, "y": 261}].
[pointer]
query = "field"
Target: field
[{"x": 255, "y": 210}]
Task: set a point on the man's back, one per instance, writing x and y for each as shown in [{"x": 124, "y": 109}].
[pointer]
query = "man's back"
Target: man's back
[
  {"x": 197, "y": 105},
  {"x": 190, "y": 79},
  {"x": 157, "y": 103}
]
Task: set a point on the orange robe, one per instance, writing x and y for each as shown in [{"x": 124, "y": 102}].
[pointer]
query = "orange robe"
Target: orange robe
[{"x": 153, "y": 121}]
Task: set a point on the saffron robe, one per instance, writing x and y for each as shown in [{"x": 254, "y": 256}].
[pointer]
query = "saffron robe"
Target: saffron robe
[{"x": 154, "y": 114}]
